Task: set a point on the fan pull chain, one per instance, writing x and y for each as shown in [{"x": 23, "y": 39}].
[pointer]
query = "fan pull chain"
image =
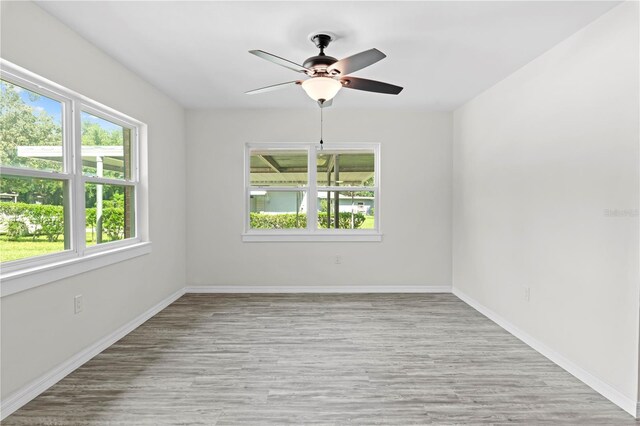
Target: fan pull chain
[{"x": 321, "y": 125}]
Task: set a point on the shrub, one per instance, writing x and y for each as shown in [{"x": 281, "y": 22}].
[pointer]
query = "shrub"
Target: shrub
[
  {"x": 113, "y": 222},
  {"x": 90, "y": 217},
  {"x": 344, "y": 220},
  {"x": 41, "y": 219},
  {"x": 49, "y": 220},
  {"x": 278, "y": 221},
  {"x": 14, "y": 209},
  {"x": 16, "y": 229},
  {"x": 291, "y": 220},
  {"x": 15, "y": 217}
]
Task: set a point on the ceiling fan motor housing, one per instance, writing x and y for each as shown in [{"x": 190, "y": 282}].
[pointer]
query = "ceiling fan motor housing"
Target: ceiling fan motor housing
[{"x": 320, "y": 62}]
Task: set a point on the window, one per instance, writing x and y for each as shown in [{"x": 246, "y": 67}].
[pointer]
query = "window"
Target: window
[
  {"x": 69, "y": 185},
  {"x": 300, "y": 192}
]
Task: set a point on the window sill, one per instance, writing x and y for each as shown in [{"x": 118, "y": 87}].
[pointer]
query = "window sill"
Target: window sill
[
  {"x": 307, "y": 237},
  {"x": 24, "y": 279}
]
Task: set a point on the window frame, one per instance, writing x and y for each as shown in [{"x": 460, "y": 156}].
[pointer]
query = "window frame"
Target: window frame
[
  {"x": 311, "y": 232},
  {"x": 75, "y": 180}
]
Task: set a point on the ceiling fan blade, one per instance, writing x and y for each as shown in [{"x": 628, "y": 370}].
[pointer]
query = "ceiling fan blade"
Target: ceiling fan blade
[
  {"x": 279, "y": 61},
  {"x": 369, "y": 85},
  {"x": 272, "y": 87},
  {"x": 325, "y": 104},
  {"x": 357, "y": 62}
]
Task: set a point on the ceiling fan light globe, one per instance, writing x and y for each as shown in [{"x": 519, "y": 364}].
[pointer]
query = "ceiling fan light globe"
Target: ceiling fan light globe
[{"x": 324, "y": 88}]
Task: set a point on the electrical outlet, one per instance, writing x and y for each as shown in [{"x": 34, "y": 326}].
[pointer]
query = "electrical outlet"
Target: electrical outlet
[
  {"x": 527, "y": 293},
  {"x": 338, "y": 260},
  {"x": 77, "y": 304}
]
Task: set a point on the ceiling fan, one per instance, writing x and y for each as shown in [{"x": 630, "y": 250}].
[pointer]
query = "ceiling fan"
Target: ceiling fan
[{"x": 328, "y": 74}]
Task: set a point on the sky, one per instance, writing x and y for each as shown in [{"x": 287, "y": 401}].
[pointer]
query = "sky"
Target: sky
[{"x": 42, "y": 104}]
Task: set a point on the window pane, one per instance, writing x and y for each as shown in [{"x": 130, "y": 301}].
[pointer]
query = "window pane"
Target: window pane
[
  {"x": 106, "y": 148},
  {"x": 32, "y": 217},
  {"x": 278, "y": 168},
  {"x": 30, "y": 129},
  {"x": 346, "y": 168},
  {"x": 278, "y": 209},
  {"x": 110, "y": 213},
  {"x": 354, "y": 208}
]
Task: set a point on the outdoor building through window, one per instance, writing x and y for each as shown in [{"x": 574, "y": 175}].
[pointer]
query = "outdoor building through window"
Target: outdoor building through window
[
  {"x": 55, "y": 205},
  {"x": 303, "y": 191}
]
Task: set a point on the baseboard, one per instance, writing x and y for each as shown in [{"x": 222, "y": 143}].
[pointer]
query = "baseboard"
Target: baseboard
[
  {"x": 318, "y": 289},
  {"x": 629, "y": 405},
  {"x": 44, "y": 382}
]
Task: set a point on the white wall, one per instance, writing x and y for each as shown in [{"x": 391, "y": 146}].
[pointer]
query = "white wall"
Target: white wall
[
  {"x": 416, "y": 164},
  {"x": 39, "y": 329},
  {"x": 538, "y": 159}
]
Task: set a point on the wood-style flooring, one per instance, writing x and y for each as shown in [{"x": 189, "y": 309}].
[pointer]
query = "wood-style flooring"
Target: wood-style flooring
[{"x": 319, "y": 359}]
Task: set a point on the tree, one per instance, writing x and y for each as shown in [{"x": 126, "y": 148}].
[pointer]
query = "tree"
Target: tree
[
  {"x": 93, "y": 134},
  {"x": 368, "y": 182},
  {"x": 21, "y": 125}
]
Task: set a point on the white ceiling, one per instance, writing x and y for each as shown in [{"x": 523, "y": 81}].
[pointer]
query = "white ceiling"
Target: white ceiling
[{"x": 443, "y": 53}]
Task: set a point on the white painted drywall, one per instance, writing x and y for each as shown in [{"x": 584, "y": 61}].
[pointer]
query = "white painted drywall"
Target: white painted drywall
[
  {"x": 416, "y": 165},
  {"x": 39, "y": 328},
  {"x": 538, "y": 160}
]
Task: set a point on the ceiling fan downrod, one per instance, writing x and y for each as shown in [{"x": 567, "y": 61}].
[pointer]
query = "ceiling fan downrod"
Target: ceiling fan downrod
[{"x": 321, "y": 41}]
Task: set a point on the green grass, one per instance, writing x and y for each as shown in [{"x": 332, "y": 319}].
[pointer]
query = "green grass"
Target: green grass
[
  {"x": 368, "y": 223},
  {"x": 29, "y": 247}
]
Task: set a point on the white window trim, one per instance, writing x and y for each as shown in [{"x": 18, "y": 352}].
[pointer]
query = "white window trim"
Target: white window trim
[
  {"x": 311, "y": 233},
  {"x": 23, "y": 274}
]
